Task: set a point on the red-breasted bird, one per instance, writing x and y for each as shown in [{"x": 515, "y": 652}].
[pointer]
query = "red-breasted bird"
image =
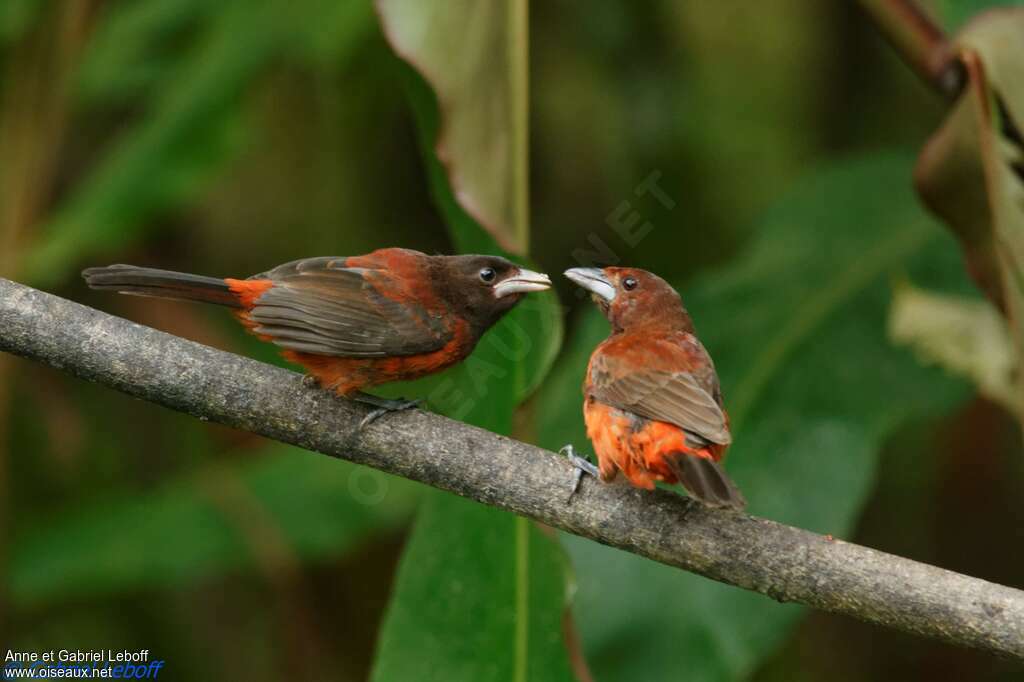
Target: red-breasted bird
[
  {"x": 359, "y": 321},
  {"x": 652, "y": 401}
]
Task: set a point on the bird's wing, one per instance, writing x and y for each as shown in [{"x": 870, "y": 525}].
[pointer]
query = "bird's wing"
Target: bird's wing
[
  {"x": 672, "y": 381},
  {"x": 349, "y": 307}
]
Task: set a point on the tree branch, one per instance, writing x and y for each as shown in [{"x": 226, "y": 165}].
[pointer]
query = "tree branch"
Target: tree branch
[{"x": 787, "y": 564}]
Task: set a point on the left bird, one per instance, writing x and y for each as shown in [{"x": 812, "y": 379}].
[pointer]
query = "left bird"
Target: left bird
[{"x": 359, "y": 321}]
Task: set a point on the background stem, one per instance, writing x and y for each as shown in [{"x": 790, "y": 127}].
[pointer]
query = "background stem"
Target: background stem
[{"x": 920, "y": 41}]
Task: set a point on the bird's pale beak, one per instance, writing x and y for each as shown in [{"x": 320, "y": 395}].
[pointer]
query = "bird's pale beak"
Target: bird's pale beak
[
  {"x": 594, "y": 281},
  {"x": 524, "y": 281}
]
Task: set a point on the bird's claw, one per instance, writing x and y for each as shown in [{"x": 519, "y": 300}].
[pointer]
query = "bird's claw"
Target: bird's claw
[
  {"x": 310, "y": 381},
  {"x": 384, "y": 406},
  {"x": 582, "y": 466}
]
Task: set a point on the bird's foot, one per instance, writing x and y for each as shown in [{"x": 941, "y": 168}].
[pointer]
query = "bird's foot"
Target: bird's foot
[
  {"x": 582, "y": 466},
  {"x": 310, "y": 381},
  {"x": 383, "y": 406}
]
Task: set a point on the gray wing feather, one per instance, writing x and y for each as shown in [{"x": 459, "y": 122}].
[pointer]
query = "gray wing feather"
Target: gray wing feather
[
  {"x": 319, "y": 306},
  {"x": 678, "y": 398}
]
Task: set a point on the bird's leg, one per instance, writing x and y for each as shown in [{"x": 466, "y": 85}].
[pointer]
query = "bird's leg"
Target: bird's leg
[
  {"x": 582, "y": 466},
  {"x": 382, "y": 405}
]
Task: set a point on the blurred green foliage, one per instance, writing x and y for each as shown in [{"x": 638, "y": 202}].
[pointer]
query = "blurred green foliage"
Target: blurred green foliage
[
  {"x": 93, "y": 551},
  {"x": 224, "y": 138},
  {"x": 15, "y": 17},
  {"x": 192, "y": 101}
]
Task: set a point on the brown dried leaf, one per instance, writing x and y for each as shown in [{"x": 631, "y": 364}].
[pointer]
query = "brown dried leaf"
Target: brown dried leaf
[
  {"x": 971, "y": 172},
  {"x": 473, "y": 53},
  {"x": 966, "y": 336}
]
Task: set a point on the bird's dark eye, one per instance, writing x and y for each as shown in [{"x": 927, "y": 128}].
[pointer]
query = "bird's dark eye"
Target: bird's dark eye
[
  {"x": 629, "y": 284},
  {"x": 487, "y": 274}
]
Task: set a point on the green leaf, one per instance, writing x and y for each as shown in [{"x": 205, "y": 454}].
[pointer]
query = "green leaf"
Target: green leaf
[
  {"x": 485, "y": 605},
  {"x": 285, "y": 505},
  {"x": 444, "y": 549},
  {"x": 797, "y": 327},
  {"x": 480, "y": 594},
  {"x": 474, "y": 55}
]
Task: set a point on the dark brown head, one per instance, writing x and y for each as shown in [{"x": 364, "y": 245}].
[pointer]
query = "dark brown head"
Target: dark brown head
[
  {"x": 483, "y": 288},
  {"x": 632, "y": 298}
]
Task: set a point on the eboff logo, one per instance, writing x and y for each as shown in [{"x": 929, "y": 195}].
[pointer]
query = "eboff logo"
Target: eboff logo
[{"x": 40, "y": 670}]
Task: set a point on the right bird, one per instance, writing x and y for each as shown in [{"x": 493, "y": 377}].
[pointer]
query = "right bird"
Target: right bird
[{"x": 652, "y": 401}]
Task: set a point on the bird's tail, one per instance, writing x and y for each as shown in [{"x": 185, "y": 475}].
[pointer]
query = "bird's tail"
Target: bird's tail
[
  {"x": 129, "y": 279},
  {"x": 705, "y": 479}
]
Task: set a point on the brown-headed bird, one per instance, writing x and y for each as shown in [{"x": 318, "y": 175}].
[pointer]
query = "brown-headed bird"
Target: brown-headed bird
[
  {"x": 652, "y": 402},
  {"x": 359, "y": 321}
]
